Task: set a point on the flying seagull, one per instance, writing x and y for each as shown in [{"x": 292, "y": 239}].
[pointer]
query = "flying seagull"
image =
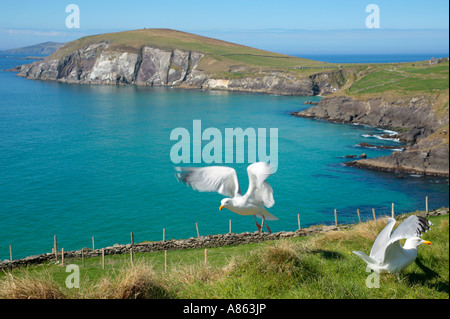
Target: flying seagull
[
  {"x": 387, "y": 254},
  {"x": 223, "y": 180}
]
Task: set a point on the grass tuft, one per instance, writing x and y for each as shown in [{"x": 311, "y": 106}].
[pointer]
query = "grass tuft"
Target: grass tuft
[
  {"x": 28, "y": 286},
  {"x": 131, "y": 282}
]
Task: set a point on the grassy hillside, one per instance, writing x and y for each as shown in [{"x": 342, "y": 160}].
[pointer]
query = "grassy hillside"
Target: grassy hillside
[
  {"x": 405, "y": 81},
  {"x": 219, "y": 55},
  {"x": 401, "y": 79},
  {"x": 225, "y": 60},
  {"x": 317, "y": 266}
]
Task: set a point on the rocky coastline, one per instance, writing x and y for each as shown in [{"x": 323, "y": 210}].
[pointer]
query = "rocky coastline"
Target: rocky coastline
[
  {"x": 420, "y": 129},
  {"x": 151, "y": 66}
]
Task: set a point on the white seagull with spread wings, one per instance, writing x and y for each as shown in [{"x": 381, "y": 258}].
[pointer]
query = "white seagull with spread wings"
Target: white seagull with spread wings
[
  {"x": 387, "y": 254},
  {"x": 223, "y": 180}
]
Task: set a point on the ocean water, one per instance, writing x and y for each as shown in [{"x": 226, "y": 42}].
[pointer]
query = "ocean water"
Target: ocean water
[{"x": 79, "y": 161}]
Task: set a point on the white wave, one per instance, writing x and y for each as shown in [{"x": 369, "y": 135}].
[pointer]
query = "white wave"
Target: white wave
[
  {"x": 390, "y": 132},
  {"x": 382, "y": 138}
]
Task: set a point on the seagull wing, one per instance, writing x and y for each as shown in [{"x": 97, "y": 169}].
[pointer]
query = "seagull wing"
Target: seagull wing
[
  {"x": 220, "y": 179},
  {"x": 258, "y": 188},
  {"x": 379, "y": 246},
  {"x": 413, "y": 226}
]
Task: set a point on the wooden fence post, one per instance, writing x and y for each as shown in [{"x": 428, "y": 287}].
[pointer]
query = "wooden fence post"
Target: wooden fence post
[
  {"x": 359, "y": 216},
  {"x": 335, "y": 217},
  {"x": 132, "y": 238},
  {"x": 373, "y": 212},
  {"x": 82, "y": 256},
  {"x": 131, "y": 256},
  {"x": 206, "y": 257},
  {"x": 103, "y": 258},
  {"x": 164, "y": 234},
  {"x": 165, "y": 260},
  {"x": 93, "y": 246},
  {"x": 229, "y": 230},
  {"x": 196, "y": 226},
  {"x": 10, "y": 253},
  {"x": 55, "y": 247},
  {"x": 298, "y": 219},
  {"x": 426, "y": 204},
  {"x": 62, "y": 257},
  {"x": 393, "y": 214}
]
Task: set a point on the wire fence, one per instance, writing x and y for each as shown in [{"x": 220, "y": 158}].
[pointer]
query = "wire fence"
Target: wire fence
[{"x": 335, "y": 217}]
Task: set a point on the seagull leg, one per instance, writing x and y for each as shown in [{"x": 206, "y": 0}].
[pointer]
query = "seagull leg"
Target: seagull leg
[
  {"x": 267, "y": 226},
  {"x": 257, "y": 225}
]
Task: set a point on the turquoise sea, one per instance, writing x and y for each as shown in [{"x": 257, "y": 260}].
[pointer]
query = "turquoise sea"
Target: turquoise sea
[{"x": 78, "y": 161}]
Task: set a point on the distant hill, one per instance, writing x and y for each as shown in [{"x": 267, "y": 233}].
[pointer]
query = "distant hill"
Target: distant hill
[
  {"x": 45, "y": 48},
  {"x": 164, "y": 57}
]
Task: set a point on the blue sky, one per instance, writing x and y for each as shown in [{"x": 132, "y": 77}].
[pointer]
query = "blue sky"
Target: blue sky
[{"x": 286, "y": 26}]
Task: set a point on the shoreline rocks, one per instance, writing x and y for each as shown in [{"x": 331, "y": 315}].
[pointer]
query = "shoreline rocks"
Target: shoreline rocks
[{"x": 426, "y": 153}]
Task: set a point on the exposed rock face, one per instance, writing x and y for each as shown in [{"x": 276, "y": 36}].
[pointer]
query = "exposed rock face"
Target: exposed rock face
[
  {"x": 95, "y": 64},
  {"x": 98, "y": 64},
  {"x": 431, "y": 161},
  {"x": 272, "y": 84},
  {"x": 413, "y": 117}
]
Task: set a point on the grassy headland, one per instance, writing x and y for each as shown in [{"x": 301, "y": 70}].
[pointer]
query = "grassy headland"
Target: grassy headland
[{"x": 220, "y": 55}]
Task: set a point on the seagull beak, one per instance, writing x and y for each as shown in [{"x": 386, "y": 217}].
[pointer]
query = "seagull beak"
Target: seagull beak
[
  {"x": 427, "y": 242},
  {"x": 221, "y": 207}
]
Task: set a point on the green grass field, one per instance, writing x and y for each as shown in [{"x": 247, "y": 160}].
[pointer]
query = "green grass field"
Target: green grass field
[
  {"x": 317, "y": 266},
  {"x": 406, "y": 78}
]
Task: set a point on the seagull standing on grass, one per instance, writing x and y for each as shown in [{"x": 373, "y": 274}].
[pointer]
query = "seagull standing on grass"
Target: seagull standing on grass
[
  {"x": 223, "y": 180},
  {"x": 387, "y": 254}
]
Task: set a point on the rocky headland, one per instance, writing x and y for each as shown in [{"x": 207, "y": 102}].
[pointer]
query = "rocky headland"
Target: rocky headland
[
  {"x": 110, "y": 60},
  {"x": 419, "y": 126}
]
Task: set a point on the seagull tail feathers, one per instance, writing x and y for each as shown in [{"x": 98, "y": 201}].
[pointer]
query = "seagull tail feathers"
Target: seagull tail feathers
[
  {"x": 267, "y": 215},
  {"x": 367, "y": 259}
]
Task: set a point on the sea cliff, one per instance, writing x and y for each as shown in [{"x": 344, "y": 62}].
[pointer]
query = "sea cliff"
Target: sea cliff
[
  {"x": 424, "y": 130},
  {"x": 177, "y": 59}
]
